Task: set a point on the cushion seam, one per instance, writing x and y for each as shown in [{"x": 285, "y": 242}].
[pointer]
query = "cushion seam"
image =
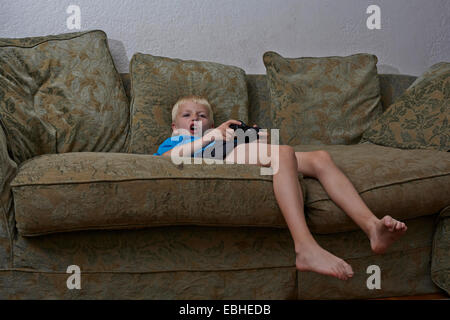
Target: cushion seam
[
  {"x": 145, "y": 272},
  {"x": 208, "y": 270},
  {"x": 138, "y": 179},
  {"x": 107, "y": 227},
  {"x": 391, "y": 253},
  {"x": 48, "y": 40}
]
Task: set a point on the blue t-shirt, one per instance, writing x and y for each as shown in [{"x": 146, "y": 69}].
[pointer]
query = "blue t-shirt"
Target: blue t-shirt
[{"x": 174, "y": 141}]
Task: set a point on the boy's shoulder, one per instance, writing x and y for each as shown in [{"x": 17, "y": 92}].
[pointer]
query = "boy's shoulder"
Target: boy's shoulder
[{"x": 172, "y": 141}]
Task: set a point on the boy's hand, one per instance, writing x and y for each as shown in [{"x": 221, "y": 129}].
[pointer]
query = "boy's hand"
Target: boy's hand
[
  {"x": 262, "y": 134},
  {"x": 222, "y": 132}
]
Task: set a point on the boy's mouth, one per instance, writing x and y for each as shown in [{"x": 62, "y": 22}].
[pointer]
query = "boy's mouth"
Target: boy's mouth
[{"x": 192, "y": 128}]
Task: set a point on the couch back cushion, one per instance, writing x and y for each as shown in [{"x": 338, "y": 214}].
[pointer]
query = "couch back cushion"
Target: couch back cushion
[
  {"x": 419, "y": 119},
  {"x": 391, "y": 87},
  {"x": 62, "y": 93},
  {"x": 158, "y": 82},
  {"x": 327, "y": 100}
]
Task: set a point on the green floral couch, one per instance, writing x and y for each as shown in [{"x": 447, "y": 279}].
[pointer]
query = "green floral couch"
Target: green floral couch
[{"x": 79, "y": 186}]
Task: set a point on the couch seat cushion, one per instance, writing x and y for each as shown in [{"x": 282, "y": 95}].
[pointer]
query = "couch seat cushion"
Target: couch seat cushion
[
  {"x": 402, "y": 183},
  {"x": 88, "y": 190}
]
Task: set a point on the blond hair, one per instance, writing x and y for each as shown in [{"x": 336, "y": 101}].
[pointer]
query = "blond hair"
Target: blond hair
[{"x": 196, "y": 99}]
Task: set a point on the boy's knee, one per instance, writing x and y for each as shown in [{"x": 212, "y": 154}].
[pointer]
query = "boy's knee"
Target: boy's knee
[
  {"x": 286, "y": 150},
  {"x": 321, "y": 160},
  {"x": 323, "y": 155}
]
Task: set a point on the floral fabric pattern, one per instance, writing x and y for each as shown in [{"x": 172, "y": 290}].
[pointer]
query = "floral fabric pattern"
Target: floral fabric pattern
[
  {"x": 62, "y": 94},
  {"x": 329, "y": 100},
  {"x": 419, "y": 119}
]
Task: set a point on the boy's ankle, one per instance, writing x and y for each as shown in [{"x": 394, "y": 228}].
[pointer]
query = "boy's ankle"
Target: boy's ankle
[
  {"x": 304, "y": 246},
  {"x": 371, "y": 226}
]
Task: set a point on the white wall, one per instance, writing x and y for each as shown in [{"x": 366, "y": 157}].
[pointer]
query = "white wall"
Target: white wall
[{"x": 414, "y": 33}]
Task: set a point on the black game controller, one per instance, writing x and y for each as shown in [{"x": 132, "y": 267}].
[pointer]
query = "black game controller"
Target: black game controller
[
  {"x": 233, "y": 126},
  {"x": 244, "y": 127}
]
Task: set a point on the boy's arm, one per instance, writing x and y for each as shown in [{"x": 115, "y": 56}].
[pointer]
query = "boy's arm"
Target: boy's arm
[
  {"x": 220, "y": 133},
  {"x": 187, "y": 149}
]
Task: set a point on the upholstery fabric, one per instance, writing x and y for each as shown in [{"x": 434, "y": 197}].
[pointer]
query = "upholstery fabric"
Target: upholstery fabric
[
  {"x": 327, "y": 100},
  {"x": 158, "y": 82},
  {"x": 138, "y": 190},
  {"x": 398, "y": 177},
  {"x": 405, "y": 267},
  {"x": 419, "y": 119},
  {"x": 158, "y": 249},
  {"x": 259, "y": 284},
  {"x": 391, "y": 87},
  {"x": 62, "y": 93},
  {"x": 8, "y": 169},
  {"x": 440, "y": 263},
  {"x": 89, "y": 190},
  {"x": 259, "y": 95},
  {"x": 187, "y": 262}
]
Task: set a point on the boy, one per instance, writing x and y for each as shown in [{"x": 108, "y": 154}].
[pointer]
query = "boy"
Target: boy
[
  {"x": 187, "y": 128},
  {"x": 192, "y": 116}
]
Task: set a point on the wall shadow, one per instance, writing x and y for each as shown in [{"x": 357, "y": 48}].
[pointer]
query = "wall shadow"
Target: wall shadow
[{"x": 119, "y": 54}]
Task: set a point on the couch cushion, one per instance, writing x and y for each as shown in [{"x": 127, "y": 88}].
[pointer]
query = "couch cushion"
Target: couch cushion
[
  {"x": 87, "y": 190},
  {"x": 391, "y": 87},
  {"x": 158, "y": 82},
  {"x": 326, "y": 100},
  {"x": 419, "y": 119},
  {"x": 402, "y": 183},
  {"x": 61, "y": 93}
]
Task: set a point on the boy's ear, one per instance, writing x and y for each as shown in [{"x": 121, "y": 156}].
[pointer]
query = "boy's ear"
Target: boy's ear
[{"x": 174, "y": 129}]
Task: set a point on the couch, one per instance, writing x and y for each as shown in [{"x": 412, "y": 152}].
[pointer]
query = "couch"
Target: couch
[{"x": 131, "y": 224}]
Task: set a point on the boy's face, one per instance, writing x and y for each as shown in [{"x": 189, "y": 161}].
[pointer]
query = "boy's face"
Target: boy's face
[{"x": 192, "y": 118}]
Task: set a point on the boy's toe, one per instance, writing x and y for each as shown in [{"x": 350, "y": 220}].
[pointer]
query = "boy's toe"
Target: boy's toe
[{"x": 387, "y": 221}]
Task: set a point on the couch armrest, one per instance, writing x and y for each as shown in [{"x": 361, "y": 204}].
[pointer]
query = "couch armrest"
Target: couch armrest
[{"x": 8, "y": 170}]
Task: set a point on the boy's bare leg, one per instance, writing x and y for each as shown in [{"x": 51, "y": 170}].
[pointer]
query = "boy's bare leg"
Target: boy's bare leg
[
  {"x": 381, "y": 232},
  {"x": 309, "y": 255}
]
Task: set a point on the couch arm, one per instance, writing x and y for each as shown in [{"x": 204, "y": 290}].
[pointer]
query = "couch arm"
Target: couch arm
[{"x": 8, "y": 170}]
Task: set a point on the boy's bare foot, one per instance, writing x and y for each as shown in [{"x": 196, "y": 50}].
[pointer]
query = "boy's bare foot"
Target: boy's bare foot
[
  {"x": 316, "y": 259},
  {"x": 386, "y": 231}
]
